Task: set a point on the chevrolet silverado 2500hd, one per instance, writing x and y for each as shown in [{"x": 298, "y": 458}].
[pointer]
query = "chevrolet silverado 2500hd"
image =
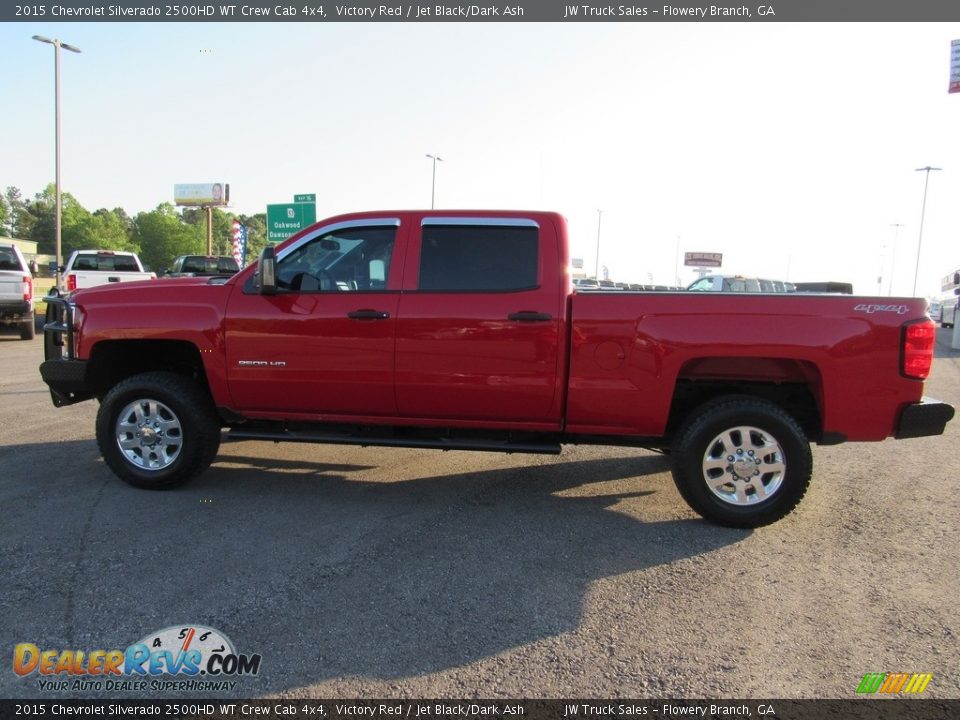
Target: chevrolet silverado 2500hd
[{"x": 460, "y": 330}]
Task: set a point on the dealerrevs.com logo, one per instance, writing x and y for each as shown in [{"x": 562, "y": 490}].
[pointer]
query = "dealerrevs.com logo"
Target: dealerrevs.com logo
[{"x": 180, "y": 657}]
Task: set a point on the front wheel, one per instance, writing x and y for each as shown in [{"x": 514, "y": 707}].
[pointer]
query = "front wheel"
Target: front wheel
[
  {"x": 157, "y": 430},
  {"x": 742, "y": 462}
]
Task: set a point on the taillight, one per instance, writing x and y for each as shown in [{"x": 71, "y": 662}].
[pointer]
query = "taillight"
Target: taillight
[
  {"x": 71, "y": 282},
  {"x": 919, "y": 339},
  {"x": 27, "y": 288}
]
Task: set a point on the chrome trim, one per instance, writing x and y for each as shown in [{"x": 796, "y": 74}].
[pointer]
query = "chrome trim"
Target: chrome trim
[
  {"x": 489, "y": 221},
  {"x": 365, "y": 222}
]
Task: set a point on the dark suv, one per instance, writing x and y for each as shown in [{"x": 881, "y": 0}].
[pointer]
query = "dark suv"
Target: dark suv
[
  {"x": 16, "y": 291},
  {"x": 203, "y": 266}
]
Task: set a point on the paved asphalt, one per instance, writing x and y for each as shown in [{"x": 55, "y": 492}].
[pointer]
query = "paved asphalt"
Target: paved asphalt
[{"x": 401, "y": 573}]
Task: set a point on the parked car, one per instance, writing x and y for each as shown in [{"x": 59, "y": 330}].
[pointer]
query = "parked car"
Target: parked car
[
  {"x": 203, "y": 266},
  {"x": 586, "y": 284},
  {"x": 738, "y": 284},
  {"x": 948, "y": 312},
  {"x": 16, "y": 291},
  {"x": 90, "y": 268}
]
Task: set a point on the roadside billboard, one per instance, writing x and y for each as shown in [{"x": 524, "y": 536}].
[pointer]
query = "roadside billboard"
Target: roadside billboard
[
  {"x": 202, "y": 194},
  {"x": 702, "y": 259}
]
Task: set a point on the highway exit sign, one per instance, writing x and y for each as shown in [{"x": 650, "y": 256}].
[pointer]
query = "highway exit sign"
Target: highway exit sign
[{"x": 289, "y": 219}]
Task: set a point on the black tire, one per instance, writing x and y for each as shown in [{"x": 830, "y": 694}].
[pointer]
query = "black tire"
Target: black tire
[
  {"x": 170, "y": 430},
  {"x": 27, "y": 330},
  {"x": 742, "y": 462}
]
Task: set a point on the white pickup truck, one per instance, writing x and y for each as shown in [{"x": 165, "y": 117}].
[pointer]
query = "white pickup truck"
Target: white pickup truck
[
  {"x": 16, "y": 291},
  {"x": 89, "y": 268}
]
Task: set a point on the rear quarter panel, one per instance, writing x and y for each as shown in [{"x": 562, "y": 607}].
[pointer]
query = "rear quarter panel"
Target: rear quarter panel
[{"x": 628, "y": 352}]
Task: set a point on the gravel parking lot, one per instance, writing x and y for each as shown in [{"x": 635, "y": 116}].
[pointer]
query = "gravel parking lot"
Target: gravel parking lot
[{"x": 402, "y": 573}]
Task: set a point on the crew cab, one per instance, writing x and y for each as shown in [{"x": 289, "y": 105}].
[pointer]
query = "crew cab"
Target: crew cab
[
  {"x": 16, "y": 292},
  {"x": 89, "y": 268},
  {"x": 461, "y": 330}
]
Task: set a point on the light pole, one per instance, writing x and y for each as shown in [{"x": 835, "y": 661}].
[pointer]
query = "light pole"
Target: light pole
[
  {"x": 893, "y": 255},
  {"x": 433, "y": 185},
  {"x": 57, "y": 44},
  {"x": 923, "y": 210},
  {"x": 597, "y": 263}
]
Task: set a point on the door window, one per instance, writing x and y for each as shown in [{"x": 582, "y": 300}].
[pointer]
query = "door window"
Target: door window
[
  {"x": 346, "y": 260},
  {"x": 478, "y": 258}
]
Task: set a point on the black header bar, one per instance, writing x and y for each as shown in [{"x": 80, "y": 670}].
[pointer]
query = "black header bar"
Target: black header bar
[{"x": 519, "y": 11}]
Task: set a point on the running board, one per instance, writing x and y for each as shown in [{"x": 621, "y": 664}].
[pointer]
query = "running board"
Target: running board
[{"x": 437, "y": 443}]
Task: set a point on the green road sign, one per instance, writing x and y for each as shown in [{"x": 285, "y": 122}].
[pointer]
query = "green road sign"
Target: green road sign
[
  {"x": 288, "y": 219},
  {"x": 305, "y": 198}
]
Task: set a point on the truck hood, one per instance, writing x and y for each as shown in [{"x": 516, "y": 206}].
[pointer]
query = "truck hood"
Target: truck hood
[{"x": 144, "y": 290}]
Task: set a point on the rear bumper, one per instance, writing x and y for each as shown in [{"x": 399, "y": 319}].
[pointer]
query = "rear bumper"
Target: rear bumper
[
  {"x": 16, "y": 310},
  {"x": 927, "y": 417}
]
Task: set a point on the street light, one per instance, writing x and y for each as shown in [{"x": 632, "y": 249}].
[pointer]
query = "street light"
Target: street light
[
  {"x": 597, "y": 263},
  {"x": 923, "y": 211},
  {"x": 893, "y": 255},
  {"x": 57, "y": 44},
  {"x": 433, "y": 186}
]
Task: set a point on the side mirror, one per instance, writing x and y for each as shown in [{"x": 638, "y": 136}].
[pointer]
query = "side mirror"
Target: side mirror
[{"x": 267, "y": 272}]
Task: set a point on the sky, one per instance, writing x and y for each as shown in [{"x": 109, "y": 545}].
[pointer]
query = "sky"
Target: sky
[{"x": 790, "y": 148}]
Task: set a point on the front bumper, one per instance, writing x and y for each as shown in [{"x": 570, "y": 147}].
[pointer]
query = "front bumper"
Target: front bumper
[
  {"x": 67, "y": 380},
  {"x": 64, "y": 374},
  {"x": 927, "y": 417}
]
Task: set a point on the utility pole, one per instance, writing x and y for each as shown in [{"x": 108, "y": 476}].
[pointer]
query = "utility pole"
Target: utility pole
[
  {"x": 433, "y": 186},
  {"x": 57, "y": 44},
  {"x": 597, "y": 263},
  {"x": 923, "y": 210},
  {"x": 893, "y": 256}
]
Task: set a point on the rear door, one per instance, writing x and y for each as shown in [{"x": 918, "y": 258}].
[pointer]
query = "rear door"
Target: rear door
[{"x": 481, "y": 317}]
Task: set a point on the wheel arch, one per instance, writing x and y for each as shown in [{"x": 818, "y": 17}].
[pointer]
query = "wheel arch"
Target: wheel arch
[
  {"x": 112, "y": 361},
  {"x": 795, "y": 386}
]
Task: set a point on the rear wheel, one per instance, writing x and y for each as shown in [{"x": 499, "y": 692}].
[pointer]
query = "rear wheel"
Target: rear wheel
[
  {"x": 157, "y": 430},
  {"x": 742, "y": 462},
  {"x": 27, "y": 330}
]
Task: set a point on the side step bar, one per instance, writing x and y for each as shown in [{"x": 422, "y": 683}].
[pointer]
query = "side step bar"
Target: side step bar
[{"x": 505, "y": 445}]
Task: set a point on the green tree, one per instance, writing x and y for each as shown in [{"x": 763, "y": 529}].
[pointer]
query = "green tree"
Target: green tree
[
  {"x": 19, "y": 222},
  {"x": 73, "y": 217},
  {"x": 162, "y": 235},
  {"x": 4, "y": 216},
  {"x": 104, "y": 230}
]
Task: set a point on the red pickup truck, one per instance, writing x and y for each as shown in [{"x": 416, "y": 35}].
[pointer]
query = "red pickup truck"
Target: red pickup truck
[{"x": 460, "y": 330}]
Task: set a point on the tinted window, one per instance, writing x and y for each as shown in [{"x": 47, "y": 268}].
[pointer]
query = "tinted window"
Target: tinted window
[
  {"x": 117, "y": 263},
  {"x": 458, "y": 258},
  {"x": 8, "y": 261},
  {"x": 348, "y": 260}
]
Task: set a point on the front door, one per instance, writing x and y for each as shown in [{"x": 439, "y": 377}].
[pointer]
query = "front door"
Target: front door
[{"x": 324, "y": 344}]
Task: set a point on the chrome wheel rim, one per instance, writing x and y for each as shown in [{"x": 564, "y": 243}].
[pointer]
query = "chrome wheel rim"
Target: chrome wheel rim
[
  {"x": 149, "y": 434},
  {"x": 744, "y": 466}
]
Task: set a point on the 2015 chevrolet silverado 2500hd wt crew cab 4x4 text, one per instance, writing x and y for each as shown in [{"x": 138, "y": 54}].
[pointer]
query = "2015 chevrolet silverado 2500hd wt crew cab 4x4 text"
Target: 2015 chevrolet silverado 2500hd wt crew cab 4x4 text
[{"x": 460, "y": 330}]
